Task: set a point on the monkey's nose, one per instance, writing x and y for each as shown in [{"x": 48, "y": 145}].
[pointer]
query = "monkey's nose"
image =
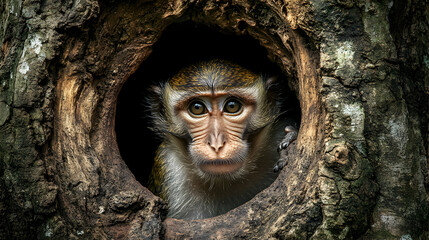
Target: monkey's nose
[{"x": 216, "y": 141}]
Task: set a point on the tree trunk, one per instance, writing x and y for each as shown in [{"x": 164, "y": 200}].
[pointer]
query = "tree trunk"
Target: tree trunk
[{"x": 358, "y": 169}]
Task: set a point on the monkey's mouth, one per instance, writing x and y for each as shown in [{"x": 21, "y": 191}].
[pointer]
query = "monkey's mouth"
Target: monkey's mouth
[{"x": 220, "y": 166}]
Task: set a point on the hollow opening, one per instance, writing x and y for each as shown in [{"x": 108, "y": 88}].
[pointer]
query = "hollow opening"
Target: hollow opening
[{"x": 180, "y": 45}]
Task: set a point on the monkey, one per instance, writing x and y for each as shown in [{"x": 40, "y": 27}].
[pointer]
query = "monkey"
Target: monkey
[{"x": 221, "y": 130}]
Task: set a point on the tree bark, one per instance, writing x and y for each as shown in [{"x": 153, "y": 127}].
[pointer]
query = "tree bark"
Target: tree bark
[{"x": 358, "y": 169}]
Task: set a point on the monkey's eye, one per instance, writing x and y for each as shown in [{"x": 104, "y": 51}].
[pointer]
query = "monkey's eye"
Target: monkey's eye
[
  {"x": 197, "y": 108},
  {"x": 232, "y": 106}
]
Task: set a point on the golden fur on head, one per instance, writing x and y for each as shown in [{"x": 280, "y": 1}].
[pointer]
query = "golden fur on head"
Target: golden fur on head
[{"x": 215, "y": 74}]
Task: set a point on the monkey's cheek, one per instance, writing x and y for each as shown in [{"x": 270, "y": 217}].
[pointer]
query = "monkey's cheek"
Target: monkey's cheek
[{"x": 219, "y": 168}]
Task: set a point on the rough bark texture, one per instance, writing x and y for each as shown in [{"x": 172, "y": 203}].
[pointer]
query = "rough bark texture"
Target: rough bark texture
[{"x": 357, "y": 170}]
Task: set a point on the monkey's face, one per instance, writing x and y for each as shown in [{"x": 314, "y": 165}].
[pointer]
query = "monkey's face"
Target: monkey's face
[
  {"x": 214, "y": 110},
  {"x": 216, "y": 124}
]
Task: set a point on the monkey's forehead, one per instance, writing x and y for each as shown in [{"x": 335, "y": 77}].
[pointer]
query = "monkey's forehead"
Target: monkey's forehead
[{"x": 215, "y": 74}]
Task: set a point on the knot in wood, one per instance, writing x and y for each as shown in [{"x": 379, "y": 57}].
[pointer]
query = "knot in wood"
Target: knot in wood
[
  {"x": 338, "y": 156},
  {"x": 341, "y": 154}
]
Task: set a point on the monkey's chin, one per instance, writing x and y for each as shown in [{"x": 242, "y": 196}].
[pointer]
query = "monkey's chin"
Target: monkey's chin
[{"x": 220, "y": 167}]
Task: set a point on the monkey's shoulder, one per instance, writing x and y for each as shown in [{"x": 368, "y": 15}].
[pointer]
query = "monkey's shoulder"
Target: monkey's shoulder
[{"x": 157, "y": 175}]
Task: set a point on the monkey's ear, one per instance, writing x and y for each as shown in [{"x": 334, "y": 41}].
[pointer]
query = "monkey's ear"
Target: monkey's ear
[
  {"x": 154, "y": 97},
  {"x": 271, "y": 81},
  {"x": 156, "y": 90},
  {"x": 156, "y": 109}
]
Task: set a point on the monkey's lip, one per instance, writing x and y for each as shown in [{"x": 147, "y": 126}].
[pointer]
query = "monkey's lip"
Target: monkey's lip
[{"x": 220, "y": 166}]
